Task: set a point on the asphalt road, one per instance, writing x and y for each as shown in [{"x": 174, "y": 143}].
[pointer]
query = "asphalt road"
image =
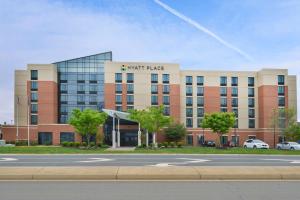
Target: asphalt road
[
  {"x": 148, "y": 160},
  {"x": 137, "y": 190}
]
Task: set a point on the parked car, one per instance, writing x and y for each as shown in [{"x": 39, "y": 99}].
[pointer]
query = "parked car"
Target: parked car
[
  {"x": 209, "y": 143},
  {"x": 255, "y": 144},
  {"x": 288, "y": 146}
]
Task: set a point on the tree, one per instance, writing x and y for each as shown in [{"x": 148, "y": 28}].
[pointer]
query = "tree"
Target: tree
[
  {"x": 87, "y": 122},
  {"x": 175, "y": 132},
  {"x": 219, "y": 122},
  {"x": 293, "y": 132}
]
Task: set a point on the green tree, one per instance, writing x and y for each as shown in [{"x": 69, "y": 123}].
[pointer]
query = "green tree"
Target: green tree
[
  {"x": 293, "y": 132},
  {"x": 175, "y": 132},
  {"x": 87, "y": 122},
  {"x": 219, "y": 122}
]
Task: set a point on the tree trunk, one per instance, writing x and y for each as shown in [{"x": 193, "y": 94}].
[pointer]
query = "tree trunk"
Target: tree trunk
[
  {"x": 154, "y": 139},
  {"x": 220, "y": 145},
  {"x": 88, "y": 140}
]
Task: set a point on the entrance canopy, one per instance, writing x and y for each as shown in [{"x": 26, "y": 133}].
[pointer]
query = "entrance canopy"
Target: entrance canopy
[{"x": 118, "y": 114}]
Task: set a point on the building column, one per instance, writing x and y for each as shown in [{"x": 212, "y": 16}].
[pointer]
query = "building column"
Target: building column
[
  {"x": 154, "y": 139},
  {"x": 114, "y": 133},
  {"x": 139, "y": 136},
  {"x": 147, "y": 138},
  {"x": 118, "y": 132}
]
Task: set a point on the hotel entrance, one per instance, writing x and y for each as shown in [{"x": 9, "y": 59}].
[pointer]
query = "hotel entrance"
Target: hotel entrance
[{"x": 129, "y": 139}]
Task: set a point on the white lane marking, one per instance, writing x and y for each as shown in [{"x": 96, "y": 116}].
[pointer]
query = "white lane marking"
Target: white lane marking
[
  {"x": 7, "y": 159},
  {"x": 188, "y": 160},
  {"x": 96, "y": 160},
  {"x": 286, "y": 160}
]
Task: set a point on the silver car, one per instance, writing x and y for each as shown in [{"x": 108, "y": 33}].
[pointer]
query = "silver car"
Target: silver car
[{"x": 288, "y": 146}]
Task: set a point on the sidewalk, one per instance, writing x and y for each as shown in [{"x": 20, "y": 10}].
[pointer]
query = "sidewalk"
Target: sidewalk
[{"x": 150, "y": 173}]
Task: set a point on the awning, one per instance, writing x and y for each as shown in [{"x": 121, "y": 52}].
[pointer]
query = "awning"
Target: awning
[{"x": 118, "y": 114}]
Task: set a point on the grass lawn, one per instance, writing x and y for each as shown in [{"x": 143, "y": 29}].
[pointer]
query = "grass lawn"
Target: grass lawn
[{"x": 184, "y": 150}]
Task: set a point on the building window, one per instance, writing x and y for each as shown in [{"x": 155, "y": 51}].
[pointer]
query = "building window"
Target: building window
[
  {"x": 93, "y": 100},
  {"x": 200, "y": 112},
  {"x": 34, "y": 86},
  {"x": 280, "y": 79},
  {"x": 236, "y": 112},
  {"x": 167, "y": 110},
  {"x": 251, "y": 81},
  {"x": 250, "y": 92},
  {"x": 189, "y": 112},
  {"x": 199, "y": 122},
  {"x": 251, "y": 113},
  {"x": 34, "y": 75},
  {"x": 235, "y": 140},
  {"x": 224, "y": 139},
  {"x": 34, "y": 108},
  {"x": 223, "y": 110},
  {"x": 234, "y": 81},
  {"x": 154, "y": 78},
  {"x": 200, "y": 80},
  {"x": 130, "y": 99},
  {"x": 281, "y": 90},
  {"x": 166, "y": 100},
  {"x": 251, "y": 123},
  {"x": 130, "y": 89},
  {"x": 118, "y": 88},
  {"x": 200, "y": 91},
  {"x": 63, "y": 118},
  {"x": 154, "y": 89},
  {"x": 166, "y": 89},
  {"x": 234, "y": 91},
  {"x": 118, "y": 77},
  {"x": 34, "y": 96},
  {"x": 236, "y": 123},
  {"x": 80, "y": 89},
  {"x": 200, "y": 101},
  {"x": 189, "y": 90},
  {"x": 130, "y": 107},
  {"x": 67, "y": 137},
  {"x": 189, "y": 80},
  {"x": 118, "y": 99},
  {"x": 234, "y": 102},
  {"x": 281, "y": 101},
  {"x": 33, "y": 119},
  {"x": 189, "y": 122},
  {"x": 80, "y": 99},
  {"x": 251, "y": 102},
  {"x": 223, "y": 102},
  {"x": 189, "y": 139},
  {"x": 118, "y": 108},
  {"x": 166, "y": 78},
  {"x": 130, "y": 77},
  {"x": 223, "y": 91},
  {"x": 154, "y": 100},
  {"x": 223, "y": 81},
  {"x": 189, "y": 101},
  {"x": 93, "y": 89}
]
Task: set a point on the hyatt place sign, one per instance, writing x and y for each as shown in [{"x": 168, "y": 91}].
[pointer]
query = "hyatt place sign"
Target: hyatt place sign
[{"x": 142, "y": 67}]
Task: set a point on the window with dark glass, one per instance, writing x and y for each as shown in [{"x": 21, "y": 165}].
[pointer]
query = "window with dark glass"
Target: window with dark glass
[
  {"x": 93, "y": 89},
  {"x": 200, "y": 112},
  {"x": 234, "y": 91},
  {"x": 118, "y": 108},
  {"x": 223, "y": 91},
  {"x": 64, "y": 109},
  {"x": 118, "y": 88},
  {"x": 189, "y": 122},
  {"x": 189, "y": 112},
  {"x": 166, "y": 100},
  {"x": 250, "y": 92},
  {"x": 33, "y": 119},
  {"x": 166, "y": 78},
  {"x": 34, "y": 108},
  {"x": 93, "y": 100},
  {"x": 189, "y": 101},
  {"x": 251, "y": 113},
  {"x": 200, "y": 91},
  {"x": 200, "y": 101},
  {"x": 80, "y": 89},
  {"x": 33, "y": 74},
  {"x": 251, "y": 102},
  {"x": 236, "y": 112},
  {"x": 129, "y": 99},
  {"x": 80, "y": 99},
  {"x": 234, "y": 102},
  {"x": 223, "y": 81},
  {"x": 223, "y": 110},
  {"x": 251, "y": 81},
  {"x": 234, "y": 81},
  {"x": 118, "y": 77},
  {"x": 93, "y": 78},
  {"x": 199, "y": 123},
  {"x": 130, "y": 77},
  {"x": 281, "y": 101},
  {"x": 154, "y": 78},
  {"x": 34, "y": 96},
  {"x": 188, "y": 80},
  {"x": 167, "y": 110},
  {"x": 34, "y": 85},
  {"x": 118, "y": 99},
  {"x": 67, "y": 137},
  {"x": 154, "y": 100},
  {"x": 189, "y": 90},
  {"x": 236, "y": 125},
  {"x": 200, "y": 80},
  {"x": 63, "y": 99},
  {"x": 130, "y": 88},
  {"x": 154, "y": 89},
  {"x": 166, "y": 89},
  {"x": 130, "y": 107},
  {"x": 223, "y": 102},
  {"x": 251, "y": 123},
  {"x": 280, "y": 79},
  {"x": 281, "y": 90}
]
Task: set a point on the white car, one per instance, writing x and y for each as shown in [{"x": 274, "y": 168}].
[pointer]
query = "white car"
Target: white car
[
  {"x": 255, "y": 144},
  {"x": 288, "y": 146}
]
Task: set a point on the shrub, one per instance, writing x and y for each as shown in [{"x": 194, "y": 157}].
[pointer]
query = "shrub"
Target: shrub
[
  {"x": 179, "y": 144},
  {"x": 99, "y": 145},
  {"x": 165, "y": 144},
  {"x": 104, "y": 146},
  {"x": 172, "y": 144},
  {"x": 71, "y": 144},
  {"x": 175, "y": 132},
  {"x": 84, "y": 144},
  {"x": 160, "y": 145},
  {"x": 34, "y": 143},
  {"x": 76, "y": 144},
  {"x": 64, "y": 144},
  {"x": 21, "y": 143},
  {"x": 92, "y": 144}
]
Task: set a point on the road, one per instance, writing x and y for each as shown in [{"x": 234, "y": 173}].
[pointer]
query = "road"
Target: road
[
  {"x": 147, "y": 160},
  {"x": 137, "y": 190}
]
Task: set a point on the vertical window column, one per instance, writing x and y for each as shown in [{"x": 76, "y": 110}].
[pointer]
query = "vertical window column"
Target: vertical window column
[
  {"x": 251, "y": 102},
  {"x": 189, "y": 101}
]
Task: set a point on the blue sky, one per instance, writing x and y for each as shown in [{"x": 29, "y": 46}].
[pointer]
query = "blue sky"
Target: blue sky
[{"x": 142, "y": 30}]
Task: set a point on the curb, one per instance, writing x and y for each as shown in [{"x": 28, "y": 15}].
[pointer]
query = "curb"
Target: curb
[{"x": 150, "y": 173}]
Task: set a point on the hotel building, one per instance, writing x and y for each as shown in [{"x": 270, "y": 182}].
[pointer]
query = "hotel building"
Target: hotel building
[{"x": 46, "y": 94}]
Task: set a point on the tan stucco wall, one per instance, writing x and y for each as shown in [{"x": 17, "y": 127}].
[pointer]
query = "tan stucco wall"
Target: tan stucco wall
[{"x": 292, "y": 91}]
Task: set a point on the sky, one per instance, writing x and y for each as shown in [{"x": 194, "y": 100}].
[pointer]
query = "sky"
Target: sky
[{"x": 206, "y": 34}]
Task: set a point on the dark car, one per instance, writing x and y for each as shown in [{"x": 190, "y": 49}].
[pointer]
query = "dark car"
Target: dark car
[{"x": 209, "y": 143}]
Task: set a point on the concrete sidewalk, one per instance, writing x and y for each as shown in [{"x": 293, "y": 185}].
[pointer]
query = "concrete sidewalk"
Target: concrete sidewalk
[{"x": 150, "y": 173}]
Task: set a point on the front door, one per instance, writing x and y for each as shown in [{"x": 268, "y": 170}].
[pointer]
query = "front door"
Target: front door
[{"x": 128, "y": 139}]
